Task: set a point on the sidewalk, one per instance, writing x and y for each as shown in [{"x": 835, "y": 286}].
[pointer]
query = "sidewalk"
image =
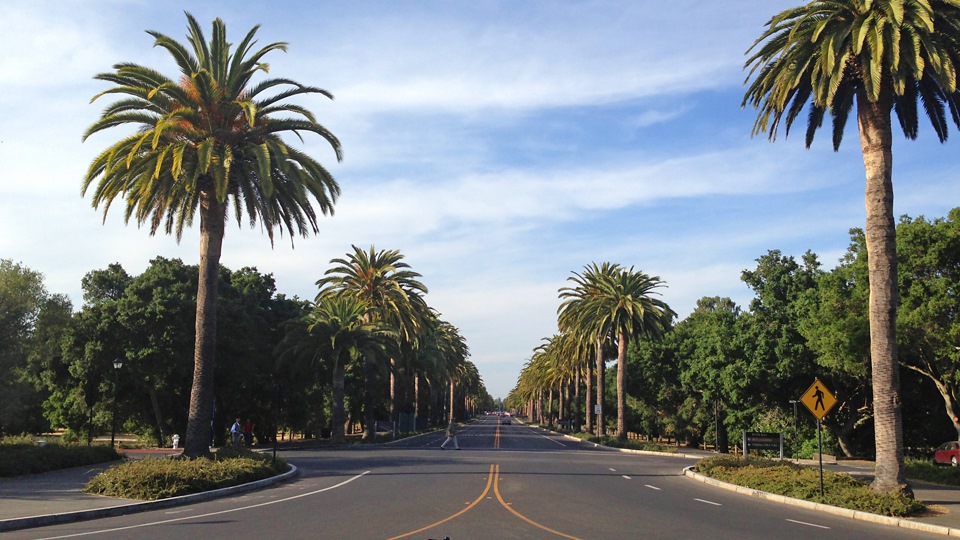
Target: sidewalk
[{"x": 57, "y": 497}]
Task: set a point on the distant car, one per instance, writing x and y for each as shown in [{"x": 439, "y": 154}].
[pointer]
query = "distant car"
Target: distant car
[
  {"x": 505, "y": 420},
  {"x": 948, "y": 453}
]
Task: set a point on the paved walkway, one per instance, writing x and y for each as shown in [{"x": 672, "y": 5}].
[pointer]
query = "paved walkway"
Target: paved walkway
[{"x": 56, "y": 496}]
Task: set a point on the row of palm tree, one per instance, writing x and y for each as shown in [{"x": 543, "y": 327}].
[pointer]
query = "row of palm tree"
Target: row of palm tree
[
  {"x": 371, "y": 311},
  {"x": 606, "y": 308}
]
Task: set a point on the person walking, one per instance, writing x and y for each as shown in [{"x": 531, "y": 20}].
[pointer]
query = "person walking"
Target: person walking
[
  {"x": 236, "y": 432},
  {"x": 451, "y": 438}
]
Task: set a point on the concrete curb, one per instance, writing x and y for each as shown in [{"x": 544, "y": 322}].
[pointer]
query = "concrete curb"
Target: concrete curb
[
  {"x": 837, "y": 511},
  {"x": 627, "y": 450},
  {"x": 132, "y": 508}
]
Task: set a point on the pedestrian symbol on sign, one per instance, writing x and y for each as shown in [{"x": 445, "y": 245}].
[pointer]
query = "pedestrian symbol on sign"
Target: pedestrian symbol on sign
[{"x": 818, "y": 399}]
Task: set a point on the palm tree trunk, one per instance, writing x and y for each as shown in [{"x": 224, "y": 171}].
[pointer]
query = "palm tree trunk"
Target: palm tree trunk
[
  {"x": 550, "y": 406},
  {"x": 576, "y": 400},
  {"x": 622, "y": 386},
  {"x": 876, "y": 144},
  {"x": 369, "y": 415},
  {"x": 393, "y": 391},
  {"x": 205, "y": 348},
  {"x": 600, "y": 417},
  {"x": 588, "y": 412},
  {"x": 416, "y": 398},
  {"x": 450, "y": 413},
  {"x": 337, "y": 434},
  {"x": 157, "y": 415}
]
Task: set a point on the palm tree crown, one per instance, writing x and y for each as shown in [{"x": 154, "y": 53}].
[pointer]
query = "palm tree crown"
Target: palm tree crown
[
  {"x": 210, "y": 132},
  {"x": 825, "y": 52}
]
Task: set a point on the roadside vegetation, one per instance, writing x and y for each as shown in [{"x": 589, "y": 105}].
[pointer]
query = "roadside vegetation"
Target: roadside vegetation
[
  {"x": 630, "y": 444},
  {"x": 152, "y": 479},
  {"x": 925, "y": 470},
  {"x": 23, "y": 455},
  {"x": 792, "y": 480}
]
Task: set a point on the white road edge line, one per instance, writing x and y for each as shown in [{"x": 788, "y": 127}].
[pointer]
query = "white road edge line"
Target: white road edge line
[
  {"x": 808, "y": 524},
  {"x": 551, "y": 439},
  {"x": 708, "y": 502},
  {"x": 345, "y": 482}
]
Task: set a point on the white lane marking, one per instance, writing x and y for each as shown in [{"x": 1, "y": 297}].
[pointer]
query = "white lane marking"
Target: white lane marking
[
  {"x": 612, "y": 469},
  {"x": 709, "y": 502},
  {"x": 808, "y": 524},
  {"x": 551, "y": 439},
  {"x": 653, "y": 487},
  {"x": 174, "y": 520},
  {"x": 627, "y": 477}
]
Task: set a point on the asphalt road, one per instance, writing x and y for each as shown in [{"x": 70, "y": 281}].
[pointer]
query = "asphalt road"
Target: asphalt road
[{"x": 507, "y": 481}]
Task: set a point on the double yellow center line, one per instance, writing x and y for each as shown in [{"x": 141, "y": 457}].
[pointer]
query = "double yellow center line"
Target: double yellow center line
[{"x": 492, "y": 480}]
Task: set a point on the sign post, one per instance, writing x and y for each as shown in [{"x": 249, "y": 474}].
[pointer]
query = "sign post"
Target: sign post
[{"x": 818, "y": 399}]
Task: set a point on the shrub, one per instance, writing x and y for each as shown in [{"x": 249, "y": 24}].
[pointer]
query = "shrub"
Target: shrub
[
  {"x": 22, "y": 455},
  {"x": 791, "y": 480},
  {"x": 151, "y": 479}
]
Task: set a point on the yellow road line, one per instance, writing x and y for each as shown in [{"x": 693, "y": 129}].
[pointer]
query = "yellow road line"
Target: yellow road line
[
  {"x": 496, "y": 490},
  {"x": 496, "y": 438},
  {"x": 493, "y": 479},
  {"x": 490, "y": 481}
]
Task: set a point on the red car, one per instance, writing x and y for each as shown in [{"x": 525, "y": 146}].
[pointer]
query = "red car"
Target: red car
[{"x": 948, "y": 453}]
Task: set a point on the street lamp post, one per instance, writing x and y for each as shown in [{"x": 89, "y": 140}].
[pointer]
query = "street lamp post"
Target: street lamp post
[
  {"x": 794, "y": 402},
  {"x": 117, "y": 364}
]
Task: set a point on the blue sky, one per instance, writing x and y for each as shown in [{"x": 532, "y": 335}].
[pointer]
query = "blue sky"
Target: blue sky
[{"x": 499, "y": 145}]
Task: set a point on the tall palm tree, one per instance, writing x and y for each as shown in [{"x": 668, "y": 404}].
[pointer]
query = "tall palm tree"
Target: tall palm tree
[
  {"x": 879, "y": 57},
  {"x": 208, "y": 140},
  {"x": 392, "y": 295},
  {"x": 336, "y": 332},
  {"x": 574, "y": 318},
  {"x": 625, "y": 306},
  {"x": 620, "y": 304}
]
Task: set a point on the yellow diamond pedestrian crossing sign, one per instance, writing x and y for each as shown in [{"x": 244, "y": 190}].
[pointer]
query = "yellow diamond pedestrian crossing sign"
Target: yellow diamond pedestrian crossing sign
[{"x": 818, "y": 399}]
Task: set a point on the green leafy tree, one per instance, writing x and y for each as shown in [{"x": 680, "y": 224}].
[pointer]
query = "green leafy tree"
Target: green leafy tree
[
  {"x": 929, "y": 322},
  {"x": 776, "y": 346},
  {"x": 876, "y": 57},
  {"x": 209, "y": 140},
  {"x": 31, "y": 323},
  {"x": 713, "y": 368},
  {"x": 834, "y": 321}
]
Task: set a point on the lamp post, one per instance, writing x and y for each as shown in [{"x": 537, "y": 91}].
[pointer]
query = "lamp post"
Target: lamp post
[
  {"x": 117, "y": 364},
  {"x": 794, "y": 402}
]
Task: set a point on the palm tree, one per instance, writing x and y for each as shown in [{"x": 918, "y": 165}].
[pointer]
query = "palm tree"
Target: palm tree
[
  {"x": 620, "y": 304},
  {"x": 573, "y": 318},
  {"x": 336, "y": 332},
  {"x": 626, "y": 308},
  {"x": 208, "y": 141},
  {"x": 880, "y": 57},
  {"x": 392, "y": 296}
]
